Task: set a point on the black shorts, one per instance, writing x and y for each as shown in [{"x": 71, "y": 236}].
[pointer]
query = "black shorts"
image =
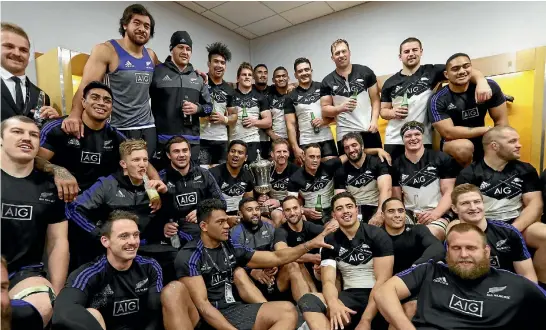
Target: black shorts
[
  {"x": 241, "y": 315},
  {"x": 147, "y": 134},
  {"x": 367, "y": 212},
  {"x": 396, "y": 150},
  {"x": 26, "y": 272},
  {"x": 212, "y": 152},
  {"x": 265, "y": 149},
  {"x": 252, "y": 151},
  {"x": 371, "y": 140},
  {"x": 164, "y": 255},
  {"x": 327, "y": 148}
]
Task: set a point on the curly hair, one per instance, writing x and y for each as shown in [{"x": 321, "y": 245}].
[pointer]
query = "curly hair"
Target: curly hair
[{"x": 221, "y": 49}]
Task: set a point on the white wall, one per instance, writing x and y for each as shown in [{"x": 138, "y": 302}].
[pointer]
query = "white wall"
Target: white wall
[
  {"x": 79, "y": 25},
  {"x": 374, "y": 31}
]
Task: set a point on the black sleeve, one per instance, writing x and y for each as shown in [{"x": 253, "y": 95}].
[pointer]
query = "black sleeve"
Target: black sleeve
[
  {"x": 531, "y": 181},
  {"x": 393, "y": 170},
  {"x": 329, "y": 254},
  {"x": 325, "y": 90},
  {"x": 331, "y": 165},
  {"x": 449, "y": 168},
  {"x": 340, "y": 178},
  {"x": 263, "y": 103},
  {"x": 313, "y": 229},
  {"x": 249, "y": 181},
  {"x": 382, "y": 168},
  {"x": 213, "y": 188},
  {"x": 415, "y": 276},
  {"x": 498, "y": 96},
  {"x": 243, "y": 254},
  {"x": 281, "y": 235},
  {"x": 51, "y": 136},
  {"x": 155, "y": 285},
  {"x": 386, "y": 92},
  {"x": 47, "y": 100},
  {"x": 465, "y": 176},
  {"x": 438, "y": 73},
  {"x": 229, "y": 100},
  {"x": 289, "y": 106},
  {"x": 87, "y": 207},
  {"x": 57, "y": 213},
  {"x": 205, "y": 101},
  {"x": 433, "y": 248},
  {"x": 120, "y": 137},
  {"x": 293, "y": 185},
  {"x": 369, "y": 77},
  {"x": 518, "y": 248},
  {"x": 437, "y": 110},
  {"x": 381, "y": 242},
  {"x": 70, "y": 313},
  {"x": 182, "y": 265}
]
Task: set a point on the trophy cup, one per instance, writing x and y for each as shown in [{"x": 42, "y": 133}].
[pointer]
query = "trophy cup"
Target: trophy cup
[{"x": 261, "y": 170}]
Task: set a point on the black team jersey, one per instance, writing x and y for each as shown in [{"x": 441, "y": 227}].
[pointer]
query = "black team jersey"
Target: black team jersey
[
  {"x": 29, "y": 205},
  {"x": 507, "y": 245},
  {"x": 216, "y": 266},
  {"x": 500, "y": 300},
  {"x": 222, "y": 99},
  {"x": 259, "y": 237},
  {"x": 279, "y": 181},
  {"x": 304, "y": 102},
  {"x": 276, "y": 105},
  {"x": 184, "y": 192},
  {"x": 232, "y": 188},
  {"x": 88, "y": 158},
  {"x": 502, "y": 190},
  {"x": 362, "y": 182},
  {"x": 420, "y": 182},
  {"x": 127, "y": 300},
  {"x": 415, "y": 245},
  {"x": 360, "y": 80},
  {"x": 294, "y": 238},
  {"x": 254, "y": 103},
  {"x": 418, "y": 89},
  {"x": 354, "y": 258},
  {"x": 310, "y": 186},
  {"x": 463, "y": 110}
]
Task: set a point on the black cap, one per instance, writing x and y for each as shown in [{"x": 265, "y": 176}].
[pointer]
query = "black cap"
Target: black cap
[{"x": 180, "y": 37}]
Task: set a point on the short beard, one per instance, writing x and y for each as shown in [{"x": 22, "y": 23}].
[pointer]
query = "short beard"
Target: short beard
[
  {"x": 180, "y": 167},
  {"x": 6, "y": 318},
  {"x": 300, "y": 217},
  {"x": 134, "y": 40},
  {"x": 480, "y": 269},
  {"x": 358, "y": 157},
  {"x": 261, "y": 84}
]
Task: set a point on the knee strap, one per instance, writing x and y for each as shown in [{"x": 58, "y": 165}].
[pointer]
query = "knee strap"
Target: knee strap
[
  {"x": 36, "y": 289},
  {"x": 311, "y": 303}
]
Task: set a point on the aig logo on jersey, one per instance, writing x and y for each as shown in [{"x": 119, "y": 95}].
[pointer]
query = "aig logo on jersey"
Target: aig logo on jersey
[
  {"x": 90, "y": 157},
  {"x": 470, "y": 113},
  {"x": 142, "y": 78},
  {"x": 16, "y": 212},
  {"x": 187, "y": 199},
  {"x": 466, "y": 306},
  {"x": 126, "y": 307}
]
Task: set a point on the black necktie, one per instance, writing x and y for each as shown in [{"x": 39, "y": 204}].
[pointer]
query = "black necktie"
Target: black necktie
[{"x": 19, "y": 102}]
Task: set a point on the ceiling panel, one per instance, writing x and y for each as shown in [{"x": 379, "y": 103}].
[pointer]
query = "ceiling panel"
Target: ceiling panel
[
  {"x": 208, "y": 4},
  {"x": 243, "y": 12},
  {"x": 307, "y": 12},
  {"x": 245, "y": 33},
  {"x": 340, "y": 5},
  {"x": 268, "y": 25},
  {"x": 193, "y": 6},
  {"x": 252, "y": 19},
  {"x": 220, "y": 20},
  {"x": 281, "y": 6}
]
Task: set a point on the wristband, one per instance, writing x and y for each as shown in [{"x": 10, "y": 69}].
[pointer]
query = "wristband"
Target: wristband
[{"x": 306, "y": 248}]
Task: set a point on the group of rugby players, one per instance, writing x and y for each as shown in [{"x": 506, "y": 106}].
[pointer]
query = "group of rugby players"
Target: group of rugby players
[{"x": 139, "y": 210}]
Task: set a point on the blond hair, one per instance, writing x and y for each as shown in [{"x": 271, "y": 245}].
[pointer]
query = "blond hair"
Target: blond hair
[
  {"x": 13, "y": 28},
  {"x": 128, "y": 146},
  {"x": 463, "y": 189},
  {"x": 337, "y": 42}
]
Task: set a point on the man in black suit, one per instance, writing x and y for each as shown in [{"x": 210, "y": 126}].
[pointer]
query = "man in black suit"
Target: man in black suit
[{"x": 19, "y": 95}]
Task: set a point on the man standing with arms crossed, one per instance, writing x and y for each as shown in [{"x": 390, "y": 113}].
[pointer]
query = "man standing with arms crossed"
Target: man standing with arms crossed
[
  {"x": 405, "y": 95},
  {"x": 350, "y": 94},
  {"x": 214, "y": 129},
  {"x": 128, "y": 67}
]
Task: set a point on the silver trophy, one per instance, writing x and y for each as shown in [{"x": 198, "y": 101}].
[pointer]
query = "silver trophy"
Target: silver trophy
[{"x": 261, "y": 170}]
